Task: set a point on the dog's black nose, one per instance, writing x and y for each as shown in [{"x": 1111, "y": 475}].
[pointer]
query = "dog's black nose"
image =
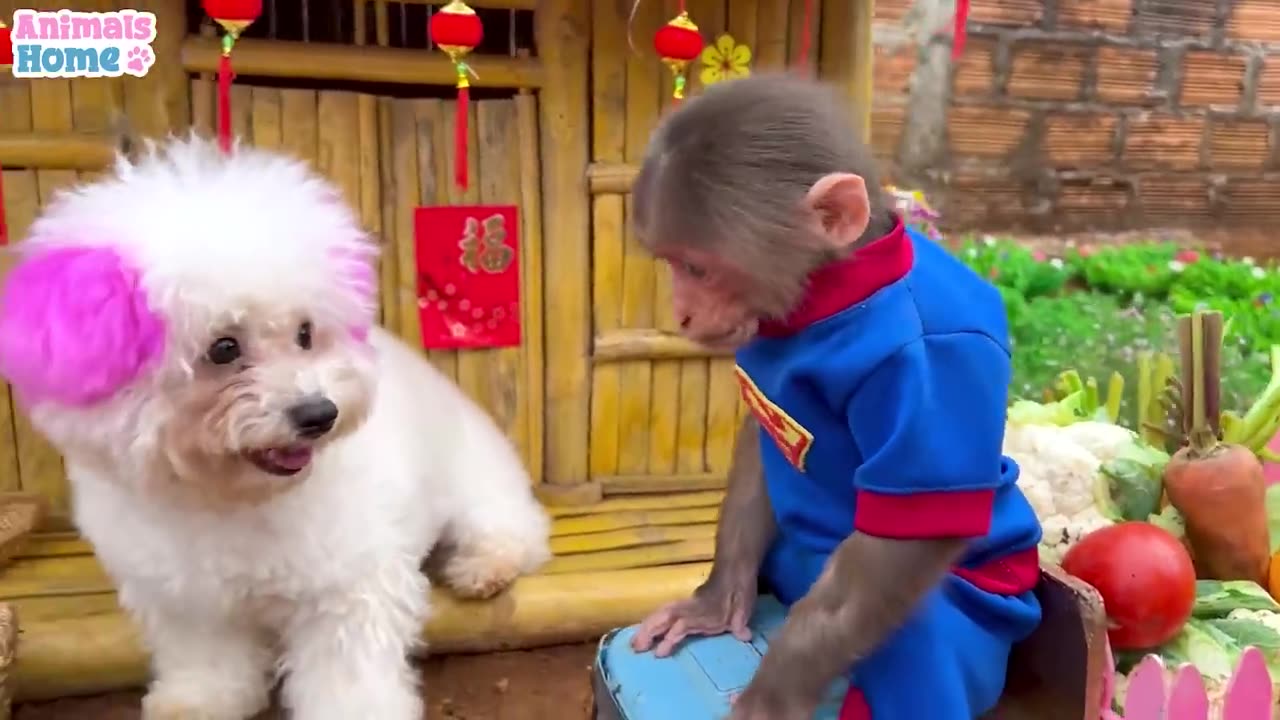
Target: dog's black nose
[{"x": 313, "y": 417}]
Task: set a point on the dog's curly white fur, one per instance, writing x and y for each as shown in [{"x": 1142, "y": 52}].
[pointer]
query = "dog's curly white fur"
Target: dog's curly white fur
[{"x": 260, "y": 470}]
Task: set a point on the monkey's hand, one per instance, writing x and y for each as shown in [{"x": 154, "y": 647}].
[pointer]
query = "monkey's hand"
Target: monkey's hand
[
  {"x": 761, "y": 701},
  {"x": 714, "y": 609}
]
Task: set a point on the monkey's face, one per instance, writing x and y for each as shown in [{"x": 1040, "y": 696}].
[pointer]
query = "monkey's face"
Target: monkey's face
[{"x": 712, "y": 302}]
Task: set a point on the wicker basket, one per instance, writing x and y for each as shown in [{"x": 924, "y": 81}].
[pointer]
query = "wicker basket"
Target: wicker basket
[
  {"x": 20, "y": 514},
  {"x": 8, "y": 648}
]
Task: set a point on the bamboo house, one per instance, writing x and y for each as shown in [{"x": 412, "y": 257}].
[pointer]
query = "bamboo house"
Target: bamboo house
[{"x": 626, "y": 429}]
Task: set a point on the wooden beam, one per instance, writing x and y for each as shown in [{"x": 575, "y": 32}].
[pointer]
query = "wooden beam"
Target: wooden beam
[
  {"x": 366, "y": 63},
  {"x": 93, "y": 653},
  {"x": 484, "y": 4},
  {"x": 160, "y": 102},
  {"x": 848, "y": 51},
  {"x": 623, "y": 345},
  {"x": 611, "y": 178},
  {"x": 56, "y": 151},
  {"x": 646, "y": 484},
  {"x": 561, "y": 30}
]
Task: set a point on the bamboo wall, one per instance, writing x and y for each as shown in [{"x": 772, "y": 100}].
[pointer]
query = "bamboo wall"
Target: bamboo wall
[
  {"x": 664, "y": 413},
  {"x": 601, "y": 398}
]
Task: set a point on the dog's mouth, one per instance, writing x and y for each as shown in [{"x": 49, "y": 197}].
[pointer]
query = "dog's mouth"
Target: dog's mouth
[{"x": 282, "y": 461}]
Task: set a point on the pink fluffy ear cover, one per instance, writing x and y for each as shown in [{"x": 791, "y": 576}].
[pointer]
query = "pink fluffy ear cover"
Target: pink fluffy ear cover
[{"x": 75, "y": 326}]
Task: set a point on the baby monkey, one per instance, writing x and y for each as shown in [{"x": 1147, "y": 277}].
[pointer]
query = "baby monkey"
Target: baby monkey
[{"x": 868, "y": 491}]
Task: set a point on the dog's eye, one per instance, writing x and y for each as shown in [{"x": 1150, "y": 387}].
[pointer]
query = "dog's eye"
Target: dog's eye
[
  {"x": 304, "y": 335},
  {"x": 223, "y": 350}
]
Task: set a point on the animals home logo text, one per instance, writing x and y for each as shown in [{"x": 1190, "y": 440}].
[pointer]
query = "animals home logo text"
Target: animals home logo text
[{"x": 70, "y": 44}]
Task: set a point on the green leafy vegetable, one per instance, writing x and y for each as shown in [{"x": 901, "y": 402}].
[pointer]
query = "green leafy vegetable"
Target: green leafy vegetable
[
  {"x": 1273, "y": 516},
  {"x": 1135, "y": 479},
  {"x": 1217, "y": 598},
  {"x": 1062, "y": 412},
  {"x": 1170, "y": 520},
  {"x": 1247, "y": 632}
]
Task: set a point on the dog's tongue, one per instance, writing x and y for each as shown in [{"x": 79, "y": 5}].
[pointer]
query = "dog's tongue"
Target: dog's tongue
[{"x": 290, "y": 458}]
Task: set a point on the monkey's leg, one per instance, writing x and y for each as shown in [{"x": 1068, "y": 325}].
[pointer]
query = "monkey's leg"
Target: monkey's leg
[{"x": 948, "y": 662}]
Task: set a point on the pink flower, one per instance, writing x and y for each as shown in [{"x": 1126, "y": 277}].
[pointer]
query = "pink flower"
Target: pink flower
[
  {"x": 1187, "y": 256},
  {"x": 1039, "y": 256}
]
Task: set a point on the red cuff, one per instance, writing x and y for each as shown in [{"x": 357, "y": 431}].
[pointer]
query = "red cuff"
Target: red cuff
[{"x": 917, "y": 516}]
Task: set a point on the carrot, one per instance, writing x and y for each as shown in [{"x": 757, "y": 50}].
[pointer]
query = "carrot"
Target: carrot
[{"x": 1218, "y": 487}]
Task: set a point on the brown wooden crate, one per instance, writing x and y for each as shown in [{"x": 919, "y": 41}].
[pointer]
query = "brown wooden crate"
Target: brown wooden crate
[
  {"x": 1212, "y": 78},
  {"x": 975, "y": 72},
  {"x": 983, "y": 131},
  {"x": 1078, "y": 140},
  {"x": 1111, "y": 15},
  {"x": 1163, "y": 141},
  {"x": 1007, "y": 12},
  {"x": 1257, "y": 20},
  {"x": 1238, "y": 144},
  {"x": 1047, "y": 71},
  {"x": 1126, "y": 75}
]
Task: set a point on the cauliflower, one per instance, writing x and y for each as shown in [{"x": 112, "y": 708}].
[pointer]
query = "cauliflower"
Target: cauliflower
[
  {"x": 1058, "y": 477},
  {"x": 1106, "y": 441}
]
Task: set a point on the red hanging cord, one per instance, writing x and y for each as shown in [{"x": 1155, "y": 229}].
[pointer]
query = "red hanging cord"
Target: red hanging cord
[
  {"x": 806, "y": 35},
  {"x": 461, "y": 114},
  {"x": 4, "y": 229},
  {"x": 225, "y": 76},
  {"x": 960, "y": 32}
]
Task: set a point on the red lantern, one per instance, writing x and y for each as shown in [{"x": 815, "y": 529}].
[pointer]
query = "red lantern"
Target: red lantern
[
  {"x": 6, "y": 47},
  {"x": 457, "y": 30},
  {"x": 234, "y": 16},
  {"x": 678, "y": 43}
]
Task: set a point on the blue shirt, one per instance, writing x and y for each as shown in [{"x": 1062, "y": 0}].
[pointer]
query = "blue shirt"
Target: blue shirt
[{"x": 882, "y": 409}]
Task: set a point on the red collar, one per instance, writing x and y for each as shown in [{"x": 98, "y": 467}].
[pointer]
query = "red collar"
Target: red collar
[{"x": 842, "y": 284}]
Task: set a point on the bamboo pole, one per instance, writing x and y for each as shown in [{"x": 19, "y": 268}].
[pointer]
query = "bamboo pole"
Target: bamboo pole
[
  {"x": 331, "y": 61},
  {"x": 532, "y": 268},
  {"x": 485, "y": 4},
  {"x": 103, "y": 652},
  {"x": 848, "y": 52},
  {"x": 624, "y": 345},
  {"x": 644, "y": 484},
  {"x": 160, "y": 102},
  {"x": 561, "y": 28},
  {"x": 56, "y": 151}
]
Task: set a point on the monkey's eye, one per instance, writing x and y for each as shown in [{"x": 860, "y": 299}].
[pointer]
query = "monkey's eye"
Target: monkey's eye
[
  {"x": 223, "y": 350},
  {"x": 304, "y": 335},
  {"x": 697, "y": 272}
]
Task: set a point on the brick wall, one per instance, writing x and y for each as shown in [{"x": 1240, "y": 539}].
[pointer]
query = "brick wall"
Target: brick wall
[{"x": 1084, "y": 114}]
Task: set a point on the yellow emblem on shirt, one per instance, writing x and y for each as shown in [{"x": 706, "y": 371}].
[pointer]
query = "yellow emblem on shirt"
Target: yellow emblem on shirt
[{"x": 792, "y": 439}]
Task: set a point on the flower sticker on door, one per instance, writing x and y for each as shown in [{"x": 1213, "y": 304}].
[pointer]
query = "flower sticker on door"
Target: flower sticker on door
[{"x": 725, "y": 60}]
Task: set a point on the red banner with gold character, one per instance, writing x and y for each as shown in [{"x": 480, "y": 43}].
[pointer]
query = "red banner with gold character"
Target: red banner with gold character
[{"x": 468, "y": 276}]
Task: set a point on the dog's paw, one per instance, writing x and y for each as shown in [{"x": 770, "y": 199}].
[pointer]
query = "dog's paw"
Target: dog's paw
[
  {"x": 483, "y": 569},
  {"x": 172, "y": 703},
  {"x": 172, "y": 709}
]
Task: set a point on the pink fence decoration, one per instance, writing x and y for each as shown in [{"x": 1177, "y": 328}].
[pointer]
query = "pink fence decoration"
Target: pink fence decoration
[{"x": 1156, "y": 694}]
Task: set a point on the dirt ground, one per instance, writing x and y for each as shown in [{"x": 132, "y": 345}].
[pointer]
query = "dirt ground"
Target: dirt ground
[{"x": 550, "y": 684}]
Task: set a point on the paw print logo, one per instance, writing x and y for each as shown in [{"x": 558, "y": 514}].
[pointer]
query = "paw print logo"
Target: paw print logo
[{"x": 139, "y": 61}]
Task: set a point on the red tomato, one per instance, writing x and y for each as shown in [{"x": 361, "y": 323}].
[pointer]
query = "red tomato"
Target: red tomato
[{"x": 1145, "y": 577}]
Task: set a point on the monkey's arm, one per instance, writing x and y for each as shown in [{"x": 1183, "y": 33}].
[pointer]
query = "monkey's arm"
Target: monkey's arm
[
  {"x": 928, "y": 422},
  {"x": 868, "y": 589},
  {"x": 746, "y": 526}
]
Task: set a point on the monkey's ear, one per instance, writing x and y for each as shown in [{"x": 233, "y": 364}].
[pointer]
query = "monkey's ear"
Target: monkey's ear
[{"x": 841, "y": 207}]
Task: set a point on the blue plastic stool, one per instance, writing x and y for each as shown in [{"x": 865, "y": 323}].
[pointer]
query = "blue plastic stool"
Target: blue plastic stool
[{"x": 696, "y": 682}]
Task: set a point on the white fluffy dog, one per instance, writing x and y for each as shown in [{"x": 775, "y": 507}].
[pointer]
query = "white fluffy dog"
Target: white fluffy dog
[{"x": 261, "y": 470}]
